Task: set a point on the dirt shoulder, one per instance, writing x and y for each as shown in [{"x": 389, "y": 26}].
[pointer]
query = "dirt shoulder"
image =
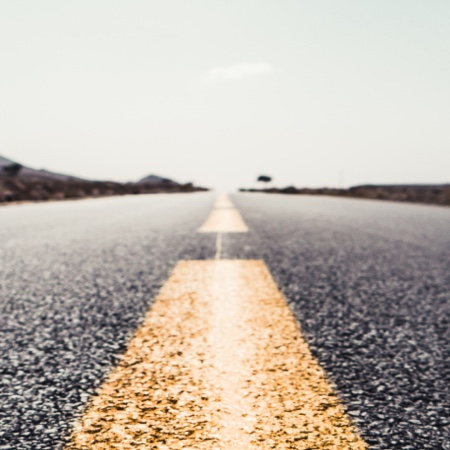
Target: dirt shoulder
[
  {"x": 430, "y": 194},
  {"x": 13, "y": 190}
]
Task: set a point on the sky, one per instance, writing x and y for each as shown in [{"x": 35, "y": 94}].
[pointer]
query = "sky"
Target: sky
[{"x": 310, "y": 92}]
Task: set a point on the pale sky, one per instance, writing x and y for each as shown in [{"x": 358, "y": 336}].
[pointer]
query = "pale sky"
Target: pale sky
[{"x": 313, "y": 93}]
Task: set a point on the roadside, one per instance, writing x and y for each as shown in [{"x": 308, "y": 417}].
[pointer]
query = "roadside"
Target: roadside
[
  {"x": 429, "y": 194},
  {"x": 19, "y": 183},
  {"x": 17, "y": 190}
]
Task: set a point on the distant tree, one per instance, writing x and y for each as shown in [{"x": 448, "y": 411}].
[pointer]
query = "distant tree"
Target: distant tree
[
  {"x": 12, "y": 170},
  {"x": 264, "y": 179}
]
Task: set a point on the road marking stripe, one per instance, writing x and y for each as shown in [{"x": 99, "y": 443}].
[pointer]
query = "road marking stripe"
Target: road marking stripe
[
  {"x": 218, "y": 363},
  {"x": 224, "y": 221},
  {"x": 224, "y": 218},
  {"x": 223, "y": 201}
]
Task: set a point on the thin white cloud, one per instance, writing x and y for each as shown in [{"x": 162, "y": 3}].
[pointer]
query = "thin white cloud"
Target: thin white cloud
[{"x": 238, "y": 71}]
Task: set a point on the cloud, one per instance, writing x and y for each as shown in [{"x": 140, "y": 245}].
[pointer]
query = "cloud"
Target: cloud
[{"x": 238, "y": 71}]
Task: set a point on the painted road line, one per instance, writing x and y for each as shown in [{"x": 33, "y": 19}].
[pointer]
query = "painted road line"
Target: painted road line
[
  {"x": 223, "y": 201},
  {"x": 218, "y": 363},
  {"x": 224, "y": 219}
]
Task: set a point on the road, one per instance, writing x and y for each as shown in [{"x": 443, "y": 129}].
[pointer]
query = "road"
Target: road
[{"x": 367, "y": 281}]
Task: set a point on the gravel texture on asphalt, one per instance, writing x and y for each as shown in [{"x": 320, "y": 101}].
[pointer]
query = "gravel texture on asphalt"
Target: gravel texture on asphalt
[
  {"x": 218, "y": 363},
  {"x": 369, "y": 282},
  {"x": 76, "y": 280}
]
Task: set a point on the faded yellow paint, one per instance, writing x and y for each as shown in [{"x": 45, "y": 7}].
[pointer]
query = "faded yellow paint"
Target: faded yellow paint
[
  {"x": 225, "y": 220},
  {"x": 223, "y": 201},
  {"x": 218, "y": 363}
]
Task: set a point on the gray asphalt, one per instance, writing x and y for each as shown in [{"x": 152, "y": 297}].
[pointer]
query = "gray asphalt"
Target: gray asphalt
[{"x": 368, "y": 281}]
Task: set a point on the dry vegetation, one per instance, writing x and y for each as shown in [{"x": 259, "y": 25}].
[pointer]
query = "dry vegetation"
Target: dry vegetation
[
  {"x": 433, "y": 194},
  {"x": 14, "y": 189}
]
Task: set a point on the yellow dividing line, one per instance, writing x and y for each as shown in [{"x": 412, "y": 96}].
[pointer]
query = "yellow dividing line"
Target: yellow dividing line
[
  {"x": 224, "y": 218},
  {"x": 218, "y": 363},
  {"x": 223, "y": 201}
]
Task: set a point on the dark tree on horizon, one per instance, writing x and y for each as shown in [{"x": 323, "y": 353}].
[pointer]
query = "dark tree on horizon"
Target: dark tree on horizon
[{"x": 264, "y": 179}]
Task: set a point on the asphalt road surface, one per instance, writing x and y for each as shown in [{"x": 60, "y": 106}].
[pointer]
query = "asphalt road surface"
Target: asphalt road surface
[{"x": 368, "y": 282}]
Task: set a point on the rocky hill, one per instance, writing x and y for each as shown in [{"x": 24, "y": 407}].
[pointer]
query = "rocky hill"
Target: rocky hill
[
  {"x": 155, "y": 179},
  {"x": 21, "y": 183},
  {"x": 10, "y": 168}
]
